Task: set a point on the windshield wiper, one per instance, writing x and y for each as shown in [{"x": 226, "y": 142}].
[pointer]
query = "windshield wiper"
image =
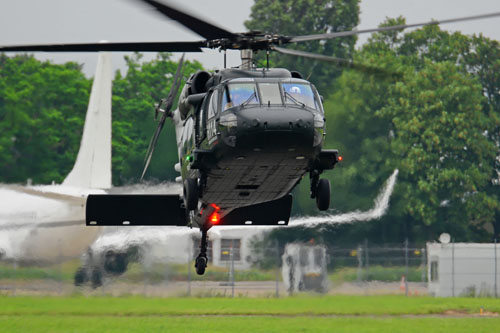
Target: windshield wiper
[
  {"x": 287, "y": 94},
  {"x": 252, "y": 96}
]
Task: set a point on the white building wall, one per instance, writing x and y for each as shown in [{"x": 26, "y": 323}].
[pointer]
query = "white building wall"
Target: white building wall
[
  {"x": 245, "y": 234},
  {"x": 464, "y": 269}
]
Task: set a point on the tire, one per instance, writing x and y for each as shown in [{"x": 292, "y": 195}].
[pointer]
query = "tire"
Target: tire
[
  {"x": 96, "y": 278},
  {"x": 323, "y": 194},
  {"x": 115, "y": 263},
  {"x": 81, "y": 276},
  {"x": 191, "y": 193},
  {"x": 201, "y": 264}
]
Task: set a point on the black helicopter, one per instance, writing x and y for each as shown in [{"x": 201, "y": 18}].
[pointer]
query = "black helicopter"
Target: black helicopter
[{"x": 246, "y": 136}]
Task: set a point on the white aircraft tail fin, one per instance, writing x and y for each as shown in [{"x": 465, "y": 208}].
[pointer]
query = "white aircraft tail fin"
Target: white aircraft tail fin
[{"x": 92, "y": 168}]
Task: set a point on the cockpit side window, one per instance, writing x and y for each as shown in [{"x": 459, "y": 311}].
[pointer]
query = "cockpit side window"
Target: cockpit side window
[
  {"x": 212, "y": 108},
  {"x": 239, "y": 93},
  {"x": 300, "y": 93},
  {"x": 201, "y": 114},
  {"x": 225, "y": 100}
]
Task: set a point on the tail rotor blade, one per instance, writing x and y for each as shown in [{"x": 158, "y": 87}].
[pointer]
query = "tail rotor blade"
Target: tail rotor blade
[{"x": 165, "y": 113}]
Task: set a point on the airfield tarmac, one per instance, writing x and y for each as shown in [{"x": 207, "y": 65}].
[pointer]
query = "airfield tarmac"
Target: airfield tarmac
[{"x": 197, "y": 288}]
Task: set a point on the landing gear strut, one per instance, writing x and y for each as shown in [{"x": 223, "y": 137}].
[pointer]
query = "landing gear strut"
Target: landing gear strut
[
  {"x": 202, "y": 259},
  {"x": 191, "y": 193},
  {"x": 314, "y": 177}
]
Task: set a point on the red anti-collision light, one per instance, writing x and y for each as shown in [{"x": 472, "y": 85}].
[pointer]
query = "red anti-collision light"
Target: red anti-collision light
[
  {"x": 215, "y": 218},
  {"x": 340, "y": 158}
]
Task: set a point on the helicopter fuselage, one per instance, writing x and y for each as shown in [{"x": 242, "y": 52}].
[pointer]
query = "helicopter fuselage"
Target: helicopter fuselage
[{"x": 249, "y": 140}]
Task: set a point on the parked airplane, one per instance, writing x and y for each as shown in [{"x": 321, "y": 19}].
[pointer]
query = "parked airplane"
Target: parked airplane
[{"x": 47, "y": 223}]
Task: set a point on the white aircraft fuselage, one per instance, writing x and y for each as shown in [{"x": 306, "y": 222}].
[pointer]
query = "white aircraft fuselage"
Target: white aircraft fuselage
[{"x": 47, "y": 223}]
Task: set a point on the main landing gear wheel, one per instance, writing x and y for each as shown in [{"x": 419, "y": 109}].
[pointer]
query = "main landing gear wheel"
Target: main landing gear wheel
[
  {"x": 81, "y": 276},
  {"x": 323, "y": 194},
  {"x": 191, "y": 193},
  {"x": 202, "y": 259},
  {"x": 96, "y": 277}
]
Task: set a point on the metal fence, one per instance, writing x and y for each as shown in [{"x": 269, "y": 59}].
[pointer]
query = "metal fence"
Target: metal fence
[
  {"x": 274, "y": 271},
  {"x": 454, "y": 269}
]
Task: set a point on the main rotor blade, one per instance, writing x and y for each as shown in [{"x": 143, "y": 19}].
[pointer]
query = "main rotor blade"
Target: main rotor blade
[
  {"x": 201, "y": 27},
  {"x": 338, "y": 61},
  {"x": 175, "y": 87},
  {"x": 93, "y": 47},
  {"x": 390, "y": 28},
  {"x": 169, "y": 102}
]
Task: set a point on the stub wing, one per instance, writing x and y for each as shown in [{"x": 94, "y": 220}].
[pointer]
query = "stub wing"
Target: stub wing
[
  {"x": 168, "y": 210},
  {"x": 132, "y": 209}
]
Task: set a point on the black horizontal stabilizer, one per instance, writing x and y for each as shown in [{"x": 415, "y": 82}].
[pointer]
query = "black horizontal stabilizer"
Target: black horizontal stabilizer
[
  {"x": 145, "y": 209},
  {"x": 275, "y": 212},
  {"x": 327, "y": 159}
]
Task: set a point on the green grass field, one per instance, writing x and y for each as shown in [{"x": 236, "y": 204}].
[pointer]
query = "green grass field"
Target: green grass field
[{"x": 291, "y": 314}]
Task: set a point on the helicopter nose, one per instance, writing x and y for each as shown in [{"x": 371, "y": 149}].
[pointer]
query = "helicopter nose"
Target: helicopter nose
[{"x": 279, "y": 126}]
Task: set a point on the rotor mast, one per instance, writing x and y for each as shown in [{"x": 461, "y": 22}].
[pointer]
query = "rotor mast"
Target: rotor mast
[{"x": 246, "y": 59}]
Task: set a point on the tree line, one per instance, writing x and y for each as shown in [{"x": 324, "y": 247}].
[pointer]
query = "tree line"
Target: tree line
[{"x": 433, "y": 113}]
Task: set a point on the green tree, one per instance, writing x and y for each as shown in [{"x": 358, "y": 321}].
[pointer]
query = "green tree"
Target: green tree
[
  {"x": 304, "y": 17},
  {"x": 134, "y": 97},
  {"x": 42, "y": 107},
  {"x": 438, "y": 124},
  {"x": 440, "y": 147},
  {"x": 478, "y": 56},
  {"x": 434, "y": 124}
]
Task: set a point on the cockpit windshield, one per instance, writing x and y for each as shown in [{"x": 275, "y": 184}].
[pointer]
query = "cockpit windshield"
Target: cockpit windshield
[
  {"x": 270, "y": 93},
  {"x": 239, "y": 93},
  {"x": 299, "y": 93}
]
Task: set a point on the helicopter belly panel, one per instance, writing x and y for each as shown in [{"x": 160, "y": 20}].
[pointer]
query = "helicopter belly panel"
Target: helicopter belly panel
[{"x": 246, "y": 180}]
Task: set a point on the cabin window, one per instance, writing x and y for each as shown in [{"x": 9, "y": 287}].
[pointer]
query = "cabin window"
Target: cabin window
[
  {"x": 270, "y": 93},
  {"x": 239, "y": 93},
  {"x": 228, "y": 245},
  {"x": 300, "y": 93}
]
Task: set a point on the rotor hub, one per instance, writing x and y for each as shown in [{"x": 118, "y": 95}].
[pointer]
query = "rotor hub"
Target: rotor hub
[{"x": 253, "y": 40}]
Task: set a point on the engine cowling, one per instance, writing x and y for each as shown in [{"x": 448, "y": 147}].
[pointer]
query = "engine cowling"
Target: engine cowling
[{"x": 195, "y": 85}]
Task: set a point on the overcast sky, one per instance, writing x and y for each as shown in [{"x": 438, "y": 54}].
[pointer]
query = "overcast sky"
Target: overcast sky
[{"x": 80, "y": 21}]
